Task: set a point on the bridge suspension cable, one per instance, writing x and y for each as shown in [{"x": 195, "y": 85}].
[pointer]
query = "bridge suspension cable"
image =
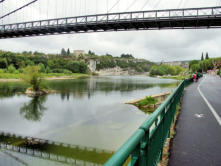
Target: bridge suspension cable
[
  {"x": 115, "y": 4},
  {"x": 131, "y": 5},
  {"x": 179, "y": 4},
  {"x": 145, "y": 4},
  {"x": 18, "y": 9}
]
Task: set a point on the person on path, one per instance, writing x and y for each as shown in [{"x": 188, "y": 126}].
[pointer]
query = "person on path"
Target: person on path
[{"x": 194, "y": 77}]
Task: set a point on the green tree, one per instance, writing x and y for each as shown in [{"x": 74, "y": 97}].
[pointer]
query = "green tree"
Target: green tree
[
  {"x": 127, "y": 56},
  {"x": 73, "y": 66},
  {"x": 207, "y": 55},
  {"x": 63, "y": 52},
  {"x": 68, "y": 52},
  {"x": 195, "y": 67},
  {"x": 202, "y": 58},
  {"x": 193, "y": 62},
  {"x": 11, "y": 68},
  {"x": 3, "y": 63},
  {"x": 48, "y": 70},
  {"x": 42, "y": 67},
  {"x": 83, "y": 67},
  {"x": 32, "y": 76}
]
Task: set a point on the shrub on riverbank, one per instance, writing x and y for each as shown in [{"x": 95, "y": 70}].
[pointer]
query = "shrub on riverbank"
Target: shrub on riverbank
[
  {"x": 32, "y": 76},
  {"x": 166, "y": 70},
  {"x": 147, "y": 101}
]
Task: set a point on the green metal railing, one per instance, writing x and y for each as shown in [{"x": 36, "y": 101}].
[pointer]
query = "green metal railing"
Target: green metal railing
[{"x": 145, "y": 146}]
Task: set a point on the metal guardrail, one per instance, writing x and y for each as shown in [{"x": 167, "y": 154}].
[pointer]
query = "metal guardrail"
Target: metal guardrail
[
  {"x": 103, "y": 22},
  {"x": 145, "y": 146}
]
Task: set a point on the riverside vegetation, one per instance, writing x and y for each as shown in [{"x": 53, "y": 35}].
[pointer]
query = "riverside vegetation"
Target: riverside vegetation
[
  {"x": 206, "y": 64},
  {"x": 168, "y": 71},
  {"x": 65, "y": 64}
]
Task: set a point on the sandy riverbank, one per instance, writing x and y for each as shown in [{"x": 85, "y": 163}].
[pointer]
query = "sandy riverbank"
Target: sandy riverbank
[
  {"x": 48, "y": 78},
  {"x": 9, "y": 80}
]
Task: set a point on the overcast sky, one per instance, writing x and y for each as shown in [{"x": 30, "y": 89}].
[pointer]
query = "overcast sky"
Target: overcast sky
[{"x": 158, "y": 45}]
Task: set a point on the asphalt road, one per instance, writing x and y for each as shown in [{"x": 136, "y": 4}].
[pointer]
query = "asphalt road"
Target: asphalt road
[{"x": 198, "y": 131}]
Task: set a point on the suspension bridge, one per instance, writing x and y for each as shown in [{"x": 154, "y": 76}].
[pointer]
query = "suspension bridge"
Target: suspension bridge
[{"x": 185, "y": 18}]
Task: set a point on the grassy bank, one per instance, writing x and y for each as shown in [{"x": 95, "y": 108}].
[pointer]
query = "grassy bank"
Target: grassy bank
[
  {"x": 178, "y": 77},
  {"x": 46, "y": 76}
]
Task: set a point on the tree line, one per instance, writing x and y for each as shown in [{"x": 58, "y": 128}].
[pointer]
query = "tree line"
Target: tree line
[
  {"x": 165, "y": 69},
  {"x": 205, "y": 64},
  {"x": 16, "y": 62}
]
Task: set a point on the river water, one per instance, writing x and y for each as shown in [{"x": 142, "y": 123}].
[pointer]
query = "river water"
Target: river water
[{"x": 89, "y": 114}]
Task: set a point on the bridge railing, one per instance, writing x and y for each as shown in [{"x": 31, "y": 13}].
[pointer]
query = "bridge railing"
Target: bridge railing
[
  {"x": 145, "y": 146},
  {"x": 113, "y": 17}
]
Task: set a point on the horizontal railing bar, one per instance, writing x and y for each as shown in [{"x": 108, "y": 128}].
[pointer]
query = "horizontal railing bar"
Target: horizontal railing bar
[{"x": 123, "y": 153}]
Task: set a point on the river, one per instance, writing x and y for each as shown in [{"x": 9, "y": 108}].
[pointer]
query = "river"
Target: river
[{"x": 89, "y": 114}]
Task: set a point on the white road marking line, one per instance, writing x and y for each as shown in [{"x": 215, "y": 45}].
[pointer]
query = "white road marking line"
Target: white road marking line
[{"x": 209, "y": 105}]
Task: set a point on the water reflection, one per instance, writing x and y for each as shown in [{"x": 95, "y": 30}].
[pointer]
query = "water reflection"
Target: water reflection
[
  {"x": 51, "y": 150},
  {"x": 34, "y": 110},
  {"x": 87, "y": 87},
  {"x": 9, "y": 89}
]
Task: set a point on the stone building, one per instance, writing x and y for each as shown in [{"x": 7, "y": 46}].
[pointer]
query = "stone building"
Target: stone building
[{"x": 78, "y": 52}]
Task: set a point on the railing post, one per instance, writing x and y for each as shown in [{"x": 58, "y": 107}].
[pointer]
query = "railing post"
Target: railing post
[{"x": 144, "y": 149}]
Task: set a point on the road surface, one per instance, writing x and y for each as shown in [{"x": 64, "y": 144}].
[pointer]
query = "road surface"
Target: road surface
[{"x": 198, "y": 131}]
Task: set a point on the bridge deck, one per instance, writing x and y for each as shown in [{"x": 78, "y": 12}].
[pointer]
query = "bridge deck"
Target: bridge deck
[{"x": 198, "y": 138}]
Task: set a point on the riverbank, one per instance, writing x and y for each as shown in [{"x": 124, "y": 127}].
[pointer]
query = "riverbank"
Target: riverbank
[
  {"x": 178, "y": 77},
  {"x": 8, "y": 77}
]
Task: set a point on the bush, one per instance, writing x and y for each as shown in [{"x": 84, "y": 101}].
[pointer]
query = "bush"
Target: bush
[
  {"x": 48, "y": 70},
  {"x": 21, "y": 70},
  {"x": 16, "y": 72},
  {"x": 148, "y": 101},
  {"x": 57, "y": 70},
  {"x": 33, "y": 77},
  {"x": 165, "y": 70},
  {"x": 42, "y": 67},
  {"x": 73, "y": 66},
  {"x": 1, "y": 71},
  {"x": 11, "y": 68},
  {"x": 67, "y": 71}
]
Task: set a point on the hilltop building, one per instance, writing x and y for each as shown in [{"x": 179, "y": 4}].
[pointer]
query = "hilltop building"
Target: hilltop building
[{"x": 78, "y": 53}]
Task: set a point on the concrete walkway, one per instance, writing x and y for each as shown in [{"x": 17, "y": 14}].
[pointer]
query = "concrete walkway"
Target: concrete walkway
[{"x": 198, "y": 130}]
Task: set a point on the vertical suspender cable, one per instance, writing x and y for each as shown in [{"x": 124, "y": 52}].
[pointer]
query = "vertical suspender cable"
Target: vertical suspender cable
[
  {"x": 131, "y": 5},
  {"x": 107, "y": 6},
  {"x": 96, "y": 7},
  {"x": 47, "y": 8},
  {"x": 114, "y": 5},
  {"x": 145, "y": 4}
]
